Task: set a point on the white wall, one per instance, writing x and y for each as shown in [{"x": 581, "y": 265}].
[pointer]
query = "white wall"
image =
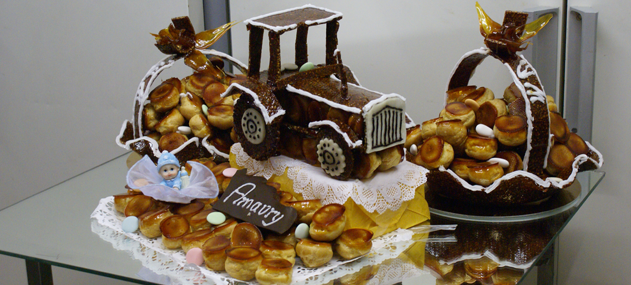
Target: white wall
[{"x": 68, "y": 73}]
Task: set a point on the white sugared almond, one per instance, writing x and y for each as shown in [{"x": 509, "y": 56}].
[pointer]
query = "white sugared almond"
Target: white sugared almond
[
  {"x": 484, "y": 131},
  {"x": 503, "y": 162}
]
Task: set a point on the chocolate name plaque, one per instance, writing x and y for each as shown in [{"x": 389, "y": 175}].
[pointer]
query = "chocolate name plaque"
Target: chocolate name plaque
[{"x": 250, "y": 199}]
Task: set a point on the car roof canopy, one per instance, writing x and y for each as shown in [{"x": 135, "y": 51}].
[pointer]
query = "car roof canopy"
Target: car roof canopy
[
  {"x": 290, "y": 19},
  {"x": 300, "y": 18}
]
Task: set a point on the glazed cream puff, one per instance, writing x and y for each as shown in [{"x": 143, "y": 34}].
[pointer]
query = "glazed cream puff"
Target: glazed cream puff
[
  {"x": 514, "y": 160},
  {"x": 150, "y": 117},
  {"x": 278, "y": 249},
  {"x": 214, "y": 252},
  {"x": 489, "y": 111},
  {"x": 173, "y": 229},
  {"x": 552, "y": 106},
  {"x": 328, "y": 222},
  {"x": 314, "y": 253},
  {"x": 428, "y": 128},
  {"x": 190, "y": 106},
  {"x": 199, "y": 221},
  {"x": 460, "y": 111},
  {"x": 139, "y": 205},
  {"x": 171, "y": 141},
  {"x": 200, "y": 126},
  {"x": 480, "y": 95},
  {"x": 452, "y": 131},
  {"x": 366, "y": 164},
  {"x": 577, "y": 145},
  {"x": 460, "y": 166},
  {"x": 196, "y": 239},
  {"x": 480, "y": 148},
  {"x": 211, "y": 93},
  {"x": 560, "y": 158},
  {"x": 196, "y": 83},
  {"x": 458, "y": 94},
  {"x": 559, "y": 128},
  {"x": 274, "y": 271},
  {"x": 225, "y": 229},
  {"x": 220, "y": 116},
  {"x": 305, "y": 209},
  {"x": 121, "y": 201},
  {"x": 246, "y": 235},
  {"x": 511, "y": 130},
  {"x": 288, "y": 237},
  {"x": 170, "y": 122},
  {"x": 390, "y": 157},
  {"x": 167, "y": 95},
  {"x": 485, "y": 173},
  {"x": 242, "y": 262},
  {"x": 188, "y": 210},
  {"x": 353, "y": 243},
  {"x": 149, "y": 222},
  {"x": 414, "y": 136},
  {"x": 511, "y": 93},
  {"x": 433, "y": 153}
]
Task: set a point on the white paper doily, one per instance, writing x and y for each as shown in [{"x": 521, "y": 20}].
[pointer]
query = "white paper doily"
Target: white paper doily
[
  {"x": 385, "y": 191},
  {"x": 106, "y": 222}
]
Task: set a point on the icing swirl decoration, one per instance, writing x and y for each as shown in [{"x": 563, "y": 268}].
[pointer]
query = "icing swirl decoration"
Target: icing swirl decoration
[
  {"x": 331, "y": 157},
  {"x": 253, "y": 126}
]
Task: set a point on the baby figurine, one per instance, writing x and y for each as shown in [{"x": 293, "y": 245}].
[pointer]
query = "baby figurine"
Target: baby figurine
[{"x": 169, "y": 169}]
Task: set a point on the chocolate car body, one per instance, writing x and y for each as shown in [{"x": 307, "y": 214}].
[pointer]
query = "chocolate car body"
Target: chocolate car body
[{"x": 321, "y": 115}]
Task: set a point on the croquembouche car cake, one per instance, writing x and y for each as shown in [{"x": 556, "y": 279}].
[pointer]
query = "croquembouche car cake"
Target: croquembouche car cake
[{"x": 268, "y": 172}]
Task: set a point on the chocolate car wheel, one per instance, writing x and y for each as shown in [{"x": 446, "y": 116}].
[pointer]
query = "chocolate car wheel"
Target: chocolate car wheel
[
  {"x": 334, "y": 154},
  {"x": 259, "y": 139}
]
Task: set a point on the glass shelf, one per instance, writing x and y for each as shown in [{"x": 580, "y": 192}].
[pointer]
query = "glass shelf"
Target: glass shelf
[{"x": 54, "y": 228}]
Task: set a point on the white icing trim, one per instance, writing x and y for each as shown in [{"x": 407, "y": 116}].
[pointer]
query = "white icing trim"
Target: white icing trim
[
  {"x": 482, "y": 51},
  {"x": 257, "y": 102},
  {"x": 212, "y": 149},
  {"x": 253, "y": 21},
  {"x": 320, "y": 99},
  {"x": 383, "y": 98},
  {"x": 227, "y": 56},
  {"x": 142, "y": 93},
  {"x": 119, "y": 137},
  {"x": 335, "y": 127},
  {"x": 551, "y": 181}
]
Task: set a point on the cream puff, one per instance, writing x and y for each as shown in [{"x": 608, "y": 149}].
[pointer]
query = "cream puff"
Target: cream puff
[
  {"x": 305, "y": 209},
  {"x": 514, "y": 160},
  {"x": 242, "y": 262},
  {"x": 353, "y": 243},
  {"x": 189, "y": 210},
  {"x": 196, "y": 83},
  {"x": 214, "y": 252},
  {"x": 366, "y": 164},
  {"x": 190, "y": 106},
  {"x": 167, "y": 95},
  {"x": 121, "y": 201},
  {"x": 460, "y": 166},
  {"x": 433, "y": 153},
  {"x": 485, "y": 173},
  {"x": 577, "y": 145},
  {"x": 414, "y": 136},
  {"x": 139, "y": 205},
  {"x": 171, "y": 141},
  {"x": 480, "y": 148},
  {"x": 199, "y": 221},
  {"x": 225, "y": 229},
  {"x": 560, "y": 158},
  {"x": 559, "y": 128},
  {"x": 211, "y": 93},
  {"x": 480, "y": 95},
  {"x": 511, "y": 93},
  {"x": 274, "y": 271},
  {"x": 149, "y": 222},
  {"x": 328, "y": 222},
  {"x": 173, "y": 229},
  {"x": 150, "y": 117},
  {"x": 246, "y": 235},
  {"x": 489, "y": 111},
  {"x": 458, "y": 94},
  {"x": 452, "y": 131},
  {"x": 390, "y": 157},
  {"x": 196, "y": 239},
  {"x": 314, "y": 253},
  {"x": 170, "y": 122},
  {"x": 428, "y": 128},
  {"x": 278, "y": 249},
  {"x": 200, "y": 126},
  {"x": 511, "y": 130},
  {"x": 460, "y": 111},
  {"x": 481, "y": 268},
  {"x": 220, "y": 116}
]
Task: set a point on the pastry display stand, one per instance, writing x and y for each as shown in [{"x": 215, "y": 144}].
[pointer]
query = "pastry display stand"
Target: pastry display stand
[{"x": 53, "y": 228}]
